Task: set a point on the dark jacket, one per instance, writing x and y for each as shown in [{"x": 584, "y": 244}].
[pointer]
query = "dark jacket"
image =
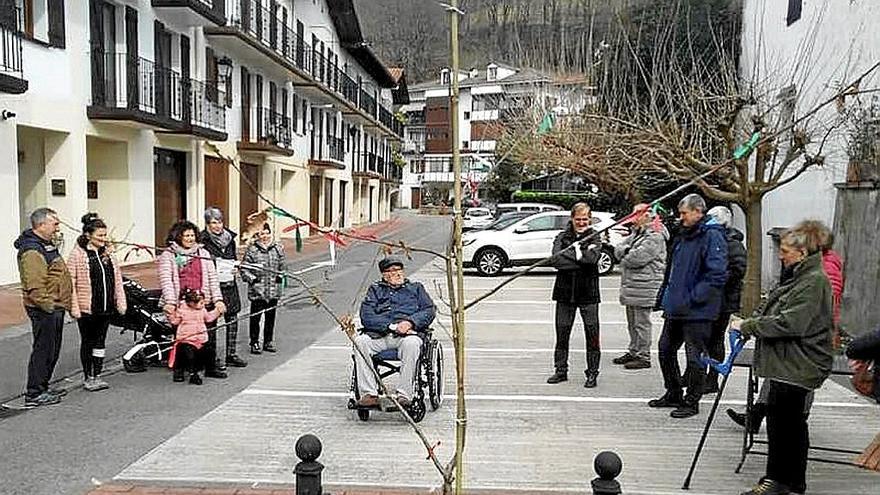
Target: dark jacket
[
  {"x": 45, "y": 281},
  {"x": 697, "y": 271},
  {"x": 736, "y": 270},
  {"x": 577, "y": 281},
  {"x": 386, "y": 304},
  {"x": 229, "y": 288},
  {"x": 793, "y": 328},
  {"x": 226, "y": 253}
]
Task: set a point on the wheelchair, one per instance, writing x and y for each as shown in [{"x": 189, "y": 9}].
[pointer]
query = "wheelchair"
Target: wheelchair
[{"x": 429, "y": 377}]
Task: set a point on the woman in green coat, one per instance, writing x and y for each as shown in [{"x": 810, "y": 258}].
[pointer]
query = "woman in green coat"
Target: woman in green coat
[{"x": 792, "y": 329}]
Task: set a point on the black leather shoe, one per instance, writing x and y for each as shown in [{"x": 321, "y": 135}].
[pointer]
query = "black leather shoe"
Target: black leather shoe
[
  {"x": 195, "y": 379},
  {"x": 591, "y": 379},
  {"x": 624, "y": 359},
  {"x": 558, "y": 378},
  {"x": 235, "y": 361},
  {"x": 740, "y": 419},
  {"x": 668, "y": 400},
  {"x": 686, "y": 410},
  {"x": 178, "y": 376},
  {"x": 256, "y": 349},
  {"x": 269, "y": 347},
  {"x": 216, "y": 374}
]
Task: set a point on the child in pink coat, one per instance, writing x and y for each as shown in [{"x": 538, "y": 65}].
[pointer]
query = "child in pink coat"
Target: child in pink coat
[{"x": 192, "y": 336}]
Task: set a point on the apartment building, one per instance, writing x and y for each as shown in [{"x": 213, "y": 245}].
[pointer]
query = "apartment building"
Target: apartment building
[
  {"x": 120, "y": 107},
  {"x": 491, "y": 98}
]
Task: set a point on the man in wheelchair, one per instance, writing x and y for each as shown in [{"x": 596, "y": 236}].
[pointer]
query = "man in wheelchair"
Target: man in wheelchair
[{"x": 395, "y": 314}]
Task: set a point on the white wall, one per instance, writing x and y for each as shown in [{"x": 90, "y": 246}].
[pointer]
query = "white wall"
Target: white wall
[{"x": 830, "y": 45}]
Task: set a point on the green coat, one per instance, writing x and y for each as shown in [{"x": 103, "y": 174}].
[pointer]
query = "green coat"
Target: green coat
[{"x": 793, "y": 328}]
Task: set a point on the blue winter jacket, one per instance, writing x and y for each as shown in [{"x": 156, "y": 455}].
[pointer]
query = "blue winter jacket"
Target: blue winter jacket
[
  {"x": 694, "y": 285},
  {"x": 386, "y": 304}
]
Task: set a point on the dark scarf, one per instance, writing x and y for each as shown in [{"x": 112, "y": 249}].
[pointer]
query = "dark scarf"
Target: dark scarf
[{"x": 222, "y": 239}]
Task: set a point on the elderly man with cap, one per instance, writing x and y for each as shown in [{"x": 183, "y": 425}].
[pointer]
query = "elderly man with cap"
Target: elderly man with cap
[{"x": 394, "y": 315}]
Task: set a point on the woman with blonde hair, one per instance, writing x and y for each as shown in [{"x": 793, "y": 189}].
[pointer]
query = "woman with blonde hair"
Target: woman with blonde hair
[{"x": 793, "y": 354}]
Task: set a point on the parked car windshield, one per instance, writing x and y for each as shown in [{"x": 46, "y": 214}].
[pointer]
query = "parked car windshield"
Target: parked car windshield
[{"x": 506, "y": 220}]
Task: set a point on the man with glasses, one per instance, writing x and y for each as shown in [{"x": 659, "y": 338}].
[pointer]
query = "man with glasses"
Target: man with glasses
[{"x": 394, "y": 315}]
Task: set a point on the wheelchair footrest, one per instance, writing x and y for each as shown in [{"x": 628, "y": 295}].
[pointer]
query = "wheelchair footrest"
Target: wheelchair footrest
[{"x": 385, "y": 405}]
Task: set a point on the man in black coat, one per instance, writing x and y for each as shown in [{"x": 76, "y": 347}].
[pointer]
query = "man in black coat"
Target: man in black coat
[
  {"x": 730, "y": 301},
  {"x": 576, "y": 288},
  {"x": 220, "y": 242}
]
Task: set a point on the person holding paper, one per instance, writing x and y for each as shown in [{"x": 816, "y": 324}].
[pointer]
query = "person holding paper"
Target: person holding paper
[{"x": 220, "y": 242}]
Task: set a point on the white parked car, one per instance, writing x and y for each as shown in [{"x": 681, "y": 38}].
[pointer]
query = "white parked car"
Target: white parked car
[
  {"x": 478, "y": 217},
  {"x": 516, "y": 241}
]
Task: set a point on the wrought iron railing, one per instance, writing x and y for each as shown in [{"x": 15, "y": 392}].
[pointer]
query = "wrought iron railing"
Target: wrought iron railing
[
  {"x": 266, "y": 27},
  {"x": 336, "y": 148},
  {"x": 208, "y": 107},
  {"x": 10, "y": 44}
]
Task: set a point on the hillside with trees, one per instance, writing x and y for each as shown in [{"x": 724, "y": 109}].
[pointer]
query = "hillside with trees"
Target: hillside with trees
[{"x": 562, "y": 36}]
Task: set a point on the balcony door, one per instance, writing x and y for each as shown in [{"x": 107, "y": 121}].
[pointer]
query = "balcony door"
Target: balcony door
[
  {"x": 245, "y": 105},
  {"x": 163, "y": 75},
  {"x": 102, "y": 30}
]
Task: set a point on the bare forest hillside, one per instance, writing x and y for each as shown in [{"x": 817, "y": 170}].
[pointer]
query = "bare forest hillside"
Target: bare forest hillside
[{"x": 565, "y": 36}]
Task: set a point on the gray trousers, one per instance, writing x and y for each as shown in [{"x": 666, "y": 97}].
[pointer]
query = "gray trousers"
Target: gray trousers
[
  {"x": 638, "y": 322},
  {"x": 408, "y": 350}
]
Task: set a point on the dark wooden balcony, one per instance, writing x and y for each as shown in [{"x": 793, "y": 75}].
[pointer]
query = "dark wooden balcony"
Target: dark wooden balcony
[{"x": 196, "y": 12}]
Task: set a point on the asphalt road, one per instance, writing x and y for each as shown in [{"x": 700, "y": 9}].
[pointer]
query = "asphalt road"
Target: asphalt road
[{"x": 90, "y": 437}]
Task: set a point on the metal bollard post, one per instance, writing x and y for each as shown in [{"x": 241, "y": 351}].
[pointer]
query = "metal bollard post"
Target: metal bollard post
[
  {"x": 608, "y": 466},
  {"x": 308, "y": 470}
]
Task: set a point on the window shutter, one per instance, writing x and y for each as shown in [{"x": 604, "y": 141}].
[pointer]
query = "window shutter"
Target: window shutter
[
  {"x": 56, "y": 22},
  {"x": 795, "y": 8},
  {"x": 131, "y": 59},
  {"x": 96, "y": 34}
]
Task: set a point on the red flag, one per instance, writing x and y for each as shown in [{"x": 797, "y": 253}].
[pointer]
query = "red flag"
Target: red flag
[{"x": 634, "y": 215}]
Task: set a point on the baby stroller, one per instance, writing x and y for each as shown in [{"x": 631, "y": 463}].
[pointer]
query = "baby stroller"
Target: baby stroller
[{"x": 153, "y": 335}]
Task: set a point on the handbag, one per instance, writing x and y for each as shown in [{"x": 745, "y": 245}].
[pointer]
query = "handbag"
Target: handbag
[{"x": 864, "y": 378}]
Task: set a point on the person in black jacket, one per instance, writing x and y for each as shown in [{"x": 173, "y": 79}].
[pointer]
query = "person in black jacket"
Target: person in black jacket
[
  {"x": 220, "y": 242},
  {"x": 730, "y": 301},
  {"x": 576, "y": 288}
]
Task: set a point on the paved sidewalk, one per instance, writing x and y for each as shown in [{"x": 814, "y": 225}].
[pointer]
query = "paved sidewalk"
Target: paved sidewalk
[
  {"x": 329, "y": 490},
  {"x": 12, "y": 313},
  {"x": 522, "y": 432}
]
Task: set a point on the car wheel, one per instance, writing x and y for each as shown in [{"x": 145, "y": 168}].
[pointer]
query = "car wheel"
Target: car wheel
[
  {"x": 605, "y": 263},
  {"x": 490, "y": 262}
]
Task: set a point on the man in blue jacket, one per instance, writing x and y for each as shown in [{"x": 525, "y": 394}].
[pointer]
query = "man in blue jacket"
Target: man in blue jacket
[
  {"x": 691, "y": 298},
  {"x": 394, "y": 315}
]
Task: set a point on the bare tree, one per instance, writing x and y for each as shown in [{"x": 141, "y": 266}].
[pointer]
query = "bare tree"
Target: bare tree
[{"x": 683, "y": 110}]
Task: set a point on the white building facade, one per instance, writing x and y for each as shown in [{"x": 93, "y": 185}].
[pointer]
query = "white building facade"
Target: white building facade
[
  {"x": 120, "y": 107},
  {"x": 816, "y": 48},
  {"x": 489, "y": 98}
]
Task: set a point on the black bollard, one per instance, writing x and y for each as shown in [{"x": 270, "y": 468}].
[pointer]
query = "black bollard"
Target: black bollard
[
  {"x": 608, "y": 466},
  {"x": 308, "y": 470}
]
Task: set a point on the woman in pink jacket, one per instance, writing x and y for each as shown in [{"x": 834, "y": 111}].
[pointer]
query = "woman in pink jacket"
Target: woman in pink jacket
[
  {"x": 183, "y": 265},
  {"x": 97, "y": 295},
  {"x": 191, "y": 352}
]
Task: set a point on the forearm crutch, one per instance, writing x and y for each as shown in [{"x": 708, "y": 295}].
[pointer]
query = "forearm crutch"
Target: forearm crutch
[{"x": 737, "y": 341}]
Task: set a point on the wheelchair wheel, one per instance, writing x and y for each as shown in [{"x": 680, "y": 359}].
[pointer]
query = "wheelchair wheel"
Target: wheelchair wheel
[
  {"x": 416, "y": 410},
  {"x": 435, "y": 375},
  {"x": 363, "y": 414}
]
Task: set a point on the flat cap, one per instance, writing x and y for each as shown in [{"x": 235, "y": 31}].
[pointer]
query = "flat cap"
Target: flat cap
[{"x": 388, "y": 262}]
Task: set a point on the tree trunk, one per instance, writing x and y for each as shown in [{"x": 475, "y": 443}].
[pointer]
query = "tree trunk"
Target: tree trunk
[{"x": 751, "y": 295}]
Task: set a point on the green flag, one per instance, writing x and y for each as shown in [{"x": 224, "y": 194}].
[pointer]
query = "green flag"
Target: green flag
[{"x": 546, "y": 124}]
